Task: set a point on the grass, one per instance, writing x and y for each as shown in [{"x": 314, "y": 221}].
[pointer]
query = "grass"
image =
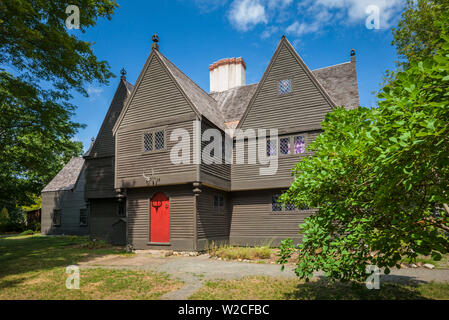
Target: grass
[
  {"x": 33, "y": 267},
  {"x": 227, "y": 252},
  {"x": 267, "y": 288}
]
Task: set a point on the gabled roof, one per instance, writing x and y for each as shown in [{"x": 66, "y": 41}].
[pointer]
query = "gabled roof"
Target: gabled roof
[
  {"x": 201, "y": 103},
  {"x": 66, "y": 178},
  {"x": 340, "y": 81},
  {"x": 104, "y": 144},
  {"x": 205, "y": 104},
  {"x": 232, "y": 103},
  {"x": 287, "y": 44}
]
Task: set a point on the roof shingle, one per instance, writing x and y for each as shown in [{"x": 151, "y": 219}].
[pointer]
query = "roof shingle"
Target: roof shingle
[{"x": 67, "y": 177}]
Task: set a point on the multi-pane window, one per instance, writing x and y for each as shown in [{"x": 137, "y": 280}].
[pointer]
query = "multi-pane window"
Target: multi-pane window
[
  {"x": 275, "y": 205},
  {"x": 83, "y": 217},
  {"x": 56, "y": 217},
  {"x": 300, "y": 144},
  {"x": 154, "y": 140},
  {"x": 148, "y": 141},
  {"x": 219, "y": 203},
  {"x": 285, "y": 86},
  {"x": 272, "y": 147},
  {"x": 280, "y": 207},
  {"x": 284, "y": 146},
  {"x": 159, "y": 141}
]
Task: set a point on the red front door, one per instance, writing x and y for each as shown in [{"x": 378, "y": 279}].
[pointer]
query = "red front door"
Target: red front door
[{"x": 160, "y": 219}]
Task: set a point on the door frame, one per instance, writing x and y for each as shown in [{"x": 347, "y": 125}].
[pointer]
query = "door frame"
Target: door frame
[{"x": 151, "y": 196}]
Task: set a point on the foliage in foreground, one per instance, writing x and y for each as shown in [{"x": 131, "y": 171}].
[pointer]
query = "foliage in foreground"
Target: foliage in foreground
[
  {"x": 267, "y": 288},
  {"x": 41, "y": 65},
  {"x": 377, "y": 177}
]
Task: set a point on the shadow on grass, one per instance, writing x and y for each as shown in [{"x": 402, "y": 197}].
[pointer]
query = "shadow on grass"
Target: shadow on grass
[
  {"x": 405, "y": 289},
  {"x": 19, "y": 255}
]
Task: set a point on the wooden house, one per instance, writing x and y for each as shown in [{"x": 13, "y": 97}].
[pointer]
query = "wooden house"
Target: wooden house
[{"x": 135, "y": 190}]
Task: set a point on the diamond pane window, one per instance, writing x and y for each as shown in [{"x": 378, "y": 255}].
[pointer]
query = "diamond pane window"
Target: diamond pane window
[
  {"x": 285, "y": 86},
  {"x": 275, "y": 205},
  {"x": 148, "y": 142},
  {"x": 284, "y": 146},
  {"x": 300, "y": 145},
  {"x": 159, "y": 142},
  {"x": 272, "y": 147},
  {"x": 289, "y": 207}
]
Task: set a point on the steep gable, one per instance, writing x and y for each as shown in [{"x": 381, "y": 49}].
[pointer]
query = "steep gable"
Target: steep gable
[
  {"x": 305, "y": 106},
  {"x": 104, "y": 144}
]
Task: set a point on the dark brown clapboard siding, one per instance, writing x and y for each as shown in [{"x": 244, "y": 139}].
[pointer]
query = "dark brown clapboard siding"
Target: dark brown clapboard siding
[
  {"x": 244, "y": 174},
  {"x": 69, "y": 202},
  {"x": 181, "y": 216},
  {"x": 254, "y": 223},
  {"x": 100, "y": 178},
  {"x": 156, "y": 97},
  {"x": 305, "y": 106},
  {"x": 103, "y": 215},
  {"x": 132, "y": 161},
  {"x": 210, "y": 223},
  {"x": 218, "y": 171}
]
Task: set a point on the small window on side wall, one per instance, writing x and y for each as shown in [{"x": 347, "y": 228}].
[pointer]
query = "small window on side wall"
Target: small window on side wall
[
  {"x": 285, "y": 86},
  {"x": 219, "y": 203},
  {"x": 299, "y": 144},
  {"x": 83, "y": 217},
  {"x": 56, "y": 217}
]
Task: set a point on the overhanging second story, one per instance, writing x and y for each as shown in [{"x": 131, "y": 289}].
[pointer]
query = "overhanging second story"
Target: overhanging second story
[{"x": 237, "y": 137}]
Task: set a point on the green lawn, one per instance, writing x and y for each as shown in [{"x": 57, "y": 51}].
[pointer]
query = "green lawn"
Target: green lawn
[
  {"x": 33, "y": 267},
  {"x": 267, "y": 288}
]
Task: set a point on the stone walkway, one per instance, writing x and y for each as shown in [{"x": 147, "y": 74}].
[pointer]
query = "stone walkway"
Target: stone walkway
[{"x": 194, "y": 271}]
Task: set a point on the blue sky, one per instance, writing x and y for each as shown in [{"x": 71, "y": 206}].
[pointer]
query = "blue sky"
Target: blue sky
[{"x": 196, "y": 33}]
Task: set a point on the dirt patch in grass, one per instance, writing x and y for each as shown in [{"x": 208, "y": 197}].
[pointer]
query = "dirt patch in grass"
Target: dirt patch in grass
[{"x": 262, "y": 288}]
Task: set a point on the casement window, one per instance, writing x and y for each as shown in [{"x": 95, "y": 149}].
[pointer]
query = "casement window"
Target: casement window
[
  {"x": 285, "y": 86},
  {"x": 219, "y": 203},
  {"x": 154, "y": 140},
  {"x": 277, "y": 207},
  {"x": 56, "y": 217},
  {"x": 83, "y": 217},
  {"x": 272, "y": 147},
  {"x": 287, "y": 146}
]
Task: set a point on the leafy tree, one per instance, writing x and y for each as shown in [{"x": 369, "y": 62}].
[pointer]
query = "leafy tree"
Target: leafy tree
[
  {"x": 378, "y": 176},
  {"x": 41, "y": 64},
  {"x": 417, "y": 35}
]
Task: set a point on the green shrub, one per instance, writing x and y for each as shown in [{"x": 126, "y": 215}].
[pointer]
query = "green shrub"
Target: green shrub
[
  {"x": 228, "y": 252},
  {"x": 27, "y": 233}
]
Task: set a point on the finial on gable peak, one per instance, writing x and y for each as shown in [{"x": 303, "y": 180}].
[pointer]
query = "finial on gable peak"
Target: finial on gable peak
[
  {"x": 155, "y": 39},
  {"x": 123, "y": 73},
  {"x": 352, "y": 55}
]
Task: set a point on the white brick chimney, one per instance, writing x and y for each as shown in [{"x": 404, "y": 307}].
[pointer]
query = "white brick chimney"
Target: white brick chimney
[{"x": 226, "y": 74}]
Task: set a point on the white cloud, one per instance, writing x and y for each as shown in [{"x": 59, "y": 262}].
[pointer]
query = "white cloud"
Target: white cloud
[
  {"x": 94, "y": 92},
  {"x": 269, "y": 31},
  {"x": 330, "y": 12},
  {"x": 245, "y": 14}
]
